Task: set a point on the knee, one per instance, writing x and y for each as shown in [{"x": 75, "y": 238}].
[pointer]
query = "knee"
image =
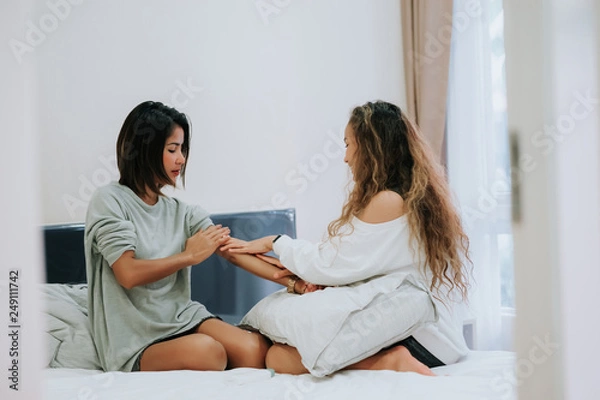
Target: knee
[
  {"x": 284, "y": 359},
  {"x": 275, "y": 359},
  {"x": 206, "y": 354},
  {"x": 255, "y": 350},
  {"x": 271, "y": 359}
]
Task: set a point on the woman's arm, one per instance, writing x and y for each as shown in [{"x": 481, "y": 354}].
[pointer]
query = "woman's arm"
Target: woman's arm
[
  {"x": 254, "y": 265},
  {"x": 266, "y": 270},
  {"x": 349, "y": 258},
  {"x": 315, "y": 263},
  {"x": 256, "y": 246},
  {"x": 131, "y": 272}
]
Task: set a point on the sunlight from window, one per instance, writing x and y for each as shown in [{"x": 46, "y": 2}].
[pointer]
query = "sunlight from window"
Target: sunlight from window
[
  {"x": 498, "y": 80},
  {"x": 479, "y": 164}
]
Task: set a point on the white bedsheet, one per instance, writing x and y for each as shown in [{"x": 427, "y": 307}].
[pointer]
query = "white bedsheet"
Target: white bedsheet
[{"x": 481, "y": 376}]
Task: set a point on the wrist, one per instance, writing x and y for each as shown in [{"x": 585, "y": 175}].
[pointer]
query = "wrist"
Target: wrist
[
  {"x": 291, "y": 284},
  {"x": 299, "y": 285},
  {"x": 189, "y": 258},
  {"x": 269, "y": 242},
  {"x": 186, "y": 257}
]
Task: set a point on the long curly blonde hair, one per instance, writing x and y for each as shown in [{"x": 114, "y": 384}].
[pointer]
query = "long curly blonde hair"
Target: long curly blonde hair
[{"x": 392, "y": 155}]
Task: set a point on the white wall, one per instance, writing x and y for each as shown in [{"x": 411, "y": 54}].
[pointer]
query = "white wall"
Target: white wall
[
  {"x": 553, "y": 88},
  {"x": 577, "y": 158},
  {"x": 535, "y": 242},
  {"x": 269, "y": 93},
  {"x": 20, "y": 260}
]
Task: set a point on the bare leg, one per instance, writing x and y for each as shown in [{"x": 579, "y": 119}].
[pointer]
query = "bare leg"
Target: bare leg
[
  {"x": 243, "y": 348},
  {"x": 285, "y": 359},
  {"x": 195, "y": 352},
  {"x": 397, "y": 358}
]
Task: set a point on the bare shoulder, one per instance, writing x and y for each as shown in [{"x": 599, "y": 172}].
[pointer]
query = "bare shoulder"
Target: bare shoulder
[{"x": 384, "y": 206}]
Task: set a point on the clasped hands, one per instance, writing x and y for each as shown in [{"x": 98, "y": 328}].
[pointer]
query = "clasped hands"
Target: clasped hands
[{"x": 264, "y": 245}]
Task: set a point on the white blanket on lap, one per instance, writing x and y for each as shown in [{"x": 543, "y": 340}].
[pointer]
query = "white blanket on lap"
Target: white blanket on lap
[{"x": 339, "y": 326}]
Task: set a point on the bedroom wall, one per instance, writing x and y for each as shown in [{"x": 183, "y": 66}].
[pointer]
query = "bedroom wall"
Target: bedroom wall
[
  {"x": 22, "y": 352},
  {"x": 553, "y": 74},
  {"x": 267, "y": 84},
  {"x": 577, "y": 28}
]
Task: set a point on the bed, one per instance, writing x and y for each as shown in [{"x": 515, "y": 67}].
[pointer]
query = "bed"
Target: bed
[{"x": 73, "y": 374}]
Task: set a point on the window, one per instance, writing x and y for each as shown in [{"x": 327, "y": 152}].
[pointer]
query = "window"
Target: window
[
  {"x": 504, "y": 242},
  {"x": 479, "y": 163}
]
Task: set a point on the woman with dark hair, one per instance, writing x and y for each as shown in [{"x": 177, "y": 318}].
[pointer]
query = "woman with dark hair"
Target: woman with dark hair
[
  {"x": 139, "y": 245},
  {"x": 399, "y": 216}
]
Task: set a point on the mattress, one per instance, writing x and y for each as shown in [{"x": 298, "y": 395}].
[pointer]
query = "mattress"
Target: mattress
[{"x": 482, "y": 375}]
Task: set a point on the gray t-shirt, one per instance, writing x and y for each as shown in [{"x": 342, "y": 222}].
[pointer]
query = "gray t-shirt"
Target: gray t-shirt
[{"x": 124, "y": 322}]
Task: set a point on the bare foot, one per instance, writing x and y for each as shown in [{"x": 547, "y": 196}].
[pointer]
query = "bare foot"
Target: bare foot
[{"x": 395, "y": 359}]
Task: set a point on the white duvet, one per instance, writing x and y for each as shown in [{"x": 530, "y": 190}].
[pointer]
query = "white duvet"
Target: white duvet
[{"x": 481, "y": 376}]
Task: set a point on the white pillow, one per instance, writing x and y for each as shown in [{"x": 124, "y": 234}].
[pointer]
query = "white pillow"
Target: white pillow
[
  {"x": 52, "y": 345},
  {"x": 68, "y": 334},
  {"x": 339, "y": 326}
]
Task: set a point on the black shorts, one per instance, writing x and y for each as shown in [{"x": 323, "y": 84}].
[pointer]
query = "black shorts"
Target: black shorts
[
  {"x": 136, "y": 365},
  {"x": 419, "y": 352}
]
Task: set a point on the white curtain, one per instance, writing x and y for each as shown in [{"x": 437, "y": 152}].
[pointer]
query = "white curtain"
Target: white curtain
[{"x": 477, "y": 161}]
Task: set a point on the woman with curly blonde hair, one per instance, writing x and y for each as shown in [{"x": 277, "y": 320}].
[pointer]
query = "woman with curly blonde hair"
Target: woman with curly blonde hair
[
  {"x": 398, "y": 216},
  {"x": 389, "y": 158}
]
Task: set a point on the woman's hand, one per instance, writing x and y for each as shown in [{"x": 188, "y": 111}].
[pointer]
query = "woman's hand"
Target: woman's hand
[
  {"x": 258, "y": 246},
  {"x": 202, "y": 244},
  {"x": 301, "y": 285}
]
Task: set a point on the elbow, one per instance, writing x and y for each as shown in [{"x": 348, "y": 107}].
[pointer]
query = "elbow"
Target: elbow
[
  {"x": 125, "y": 280},
  {"x": 128, "y": 285},
  {"x": 123, "y": 271}
]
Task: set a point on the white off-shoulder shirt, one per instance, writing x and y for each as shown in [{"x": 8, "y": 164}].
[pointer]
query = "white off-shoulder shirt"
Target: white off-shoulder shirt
[{"x": 367, "y": 250}]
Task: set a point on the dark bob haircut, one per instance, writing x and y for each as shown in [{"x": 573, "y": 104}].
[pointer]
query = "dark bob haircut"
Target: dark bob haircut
[{"x": 141, "y": 143}]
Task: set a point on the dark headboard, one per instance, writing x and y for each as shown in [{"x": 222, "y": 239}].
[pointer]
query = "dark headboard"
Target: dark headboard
[
  {"x": 226, "y": 290},
  {"x": 65, "y": 260}
]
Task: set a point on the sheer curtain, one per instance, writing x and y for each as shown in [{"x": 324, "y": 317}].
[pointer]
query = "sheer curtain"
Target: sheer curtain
[{"x": 477, "y": 161}]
